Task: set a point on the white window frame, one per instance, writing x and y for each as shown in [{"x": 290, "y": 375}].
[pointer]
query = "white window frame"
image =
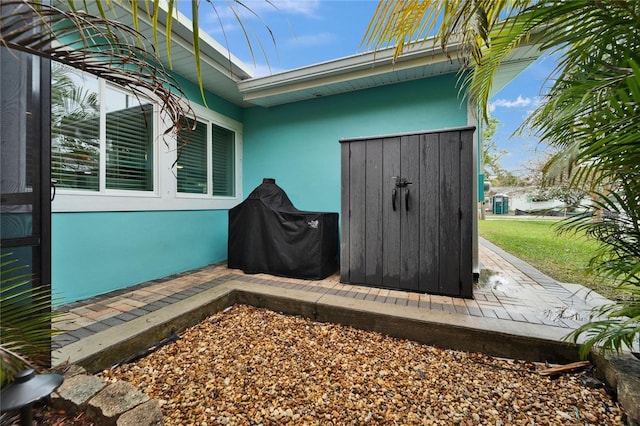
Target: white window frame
[
  {"x": 164, "y": 195},
  {"x": 103, "y": 145},
  {"x": 208, "y": 117}
]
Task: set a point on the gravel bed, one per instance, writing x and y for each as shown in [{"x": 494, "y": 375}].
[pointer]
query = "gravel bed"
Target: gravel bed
[{"x": 250, "y": 366}]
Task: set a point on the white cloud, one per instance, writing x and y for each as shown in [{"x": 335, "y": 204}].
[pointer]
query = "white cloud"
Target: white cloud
[
  {"x": 506, "y": 103},
  {"x": 228, "y": 18},
  {"x": 215, "y": 27},
  {"x": 256, "y": 10}
]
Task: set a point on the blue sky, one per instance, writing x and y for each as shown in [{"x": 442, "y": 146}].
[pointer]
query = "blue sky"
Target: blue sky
[{"x": 312, "y": 31}]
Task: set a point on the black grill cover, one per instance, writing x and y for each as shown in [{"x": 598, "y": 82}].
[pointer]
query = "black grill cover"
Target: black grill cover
[{"x": 267, "y": 234}]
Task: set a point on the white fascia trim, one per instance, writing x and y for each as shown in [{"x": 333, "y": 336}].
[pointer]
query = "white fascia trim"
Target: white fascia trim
[
  {"x": 212, "y": 53},
  {"x": 349, "y": 68},
  {"x": 209, "y": 47}
]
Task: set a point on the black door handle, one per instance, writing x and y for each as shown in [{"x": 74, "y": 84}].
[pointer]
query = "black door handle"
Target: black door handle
[
  {"x": 406, "y": 199},
  {"x": 400, "y": 183},
  {"x": 394, "y": 193},
  {"x": 53, "y": 188}
]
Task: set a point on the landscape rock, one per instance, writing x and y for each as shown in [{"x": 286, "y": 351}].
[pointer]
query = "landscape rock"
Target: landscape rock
[
  {"x": 629, "y": 398},
  {"x": 253, "y": 366},
  {"x": 622, "y": 373},
  {"x": 145, "y": 414},
  {"x": 114, "y": 400},
  {"x": 74, "y": 393},
  {"x": 68, "y": 370},
  {"x": 74, "y": 370}
]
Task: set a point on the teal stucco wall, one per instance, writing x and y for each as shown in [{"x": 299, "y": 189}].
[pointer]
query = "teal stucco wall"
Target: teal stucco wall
[
  {"x": 297, "y": 144},
  {"x": 98, "y": 252},
  {"x": 94, "y": 253}
]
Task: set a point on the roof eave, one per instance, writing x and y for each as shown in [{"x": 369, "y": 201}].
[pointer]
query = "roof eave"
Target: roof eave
[
  {"x": 259, "y": 90},
  {"x": 210, "y": 49},
  {"x": 420, "y": 60}
]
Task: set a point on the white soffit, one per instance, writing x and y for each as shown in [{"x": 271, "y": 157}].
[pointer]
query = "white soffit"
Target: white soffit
[
  {"x": 519, "y": 59},
  {"x": 367, "y": 70}
]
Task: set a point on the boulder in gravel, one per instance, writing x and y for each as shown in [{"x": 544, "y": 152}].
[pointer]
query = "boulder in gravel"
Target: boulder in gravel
[
  {"x": 74, "y": 370},
  {"x": 145, "y": 414},
  {"x": 629, "y": 398},
  {"x": 114, "y": 400},
  {"x": 74, "y": 393},
  {"x": 622, "y": 373}
]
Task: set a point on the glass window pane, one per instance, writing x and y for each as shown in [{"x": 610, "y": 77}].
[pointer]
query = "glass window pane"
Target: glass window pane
[
  {"x": 129, "y": 142},
  {"x": 75, "y": 128},
  {"x": 223, "y": 143},
  {"x": 192, "y": 159}
]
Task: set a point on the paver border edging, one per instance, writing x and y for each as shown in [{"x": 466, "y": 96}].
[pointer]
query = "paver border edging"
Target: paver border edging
[
  {"x": 109, "y": 347},
  {"x": 444, "y": 329}
]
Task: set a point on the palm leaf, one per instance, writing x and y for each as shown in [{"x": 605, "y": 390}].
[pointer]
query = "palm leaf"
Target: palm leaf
[
  {"x": 154, "y": 12},
  {"x": 96, "y": 45},
  {"x": 26, "y": 321}
]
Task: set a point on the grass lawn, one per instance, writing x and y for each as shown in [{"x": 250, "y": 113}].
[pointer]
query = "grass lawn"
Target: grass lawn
[{"x": 563, "y": 257}]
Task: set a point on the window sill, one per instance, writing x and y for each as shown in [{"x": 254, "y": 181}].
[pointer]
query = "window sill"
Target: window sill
[{"x": 137, "y": 201}]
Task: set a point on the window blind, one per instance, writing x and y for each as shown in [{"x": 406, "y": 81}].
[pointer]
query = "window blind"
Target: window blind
[
  {"x": 75, "y": 152},
  {"x": 129, "y": 147},
  {"x": 192, "y": 159},
  {"x": 223, "y": 170}
]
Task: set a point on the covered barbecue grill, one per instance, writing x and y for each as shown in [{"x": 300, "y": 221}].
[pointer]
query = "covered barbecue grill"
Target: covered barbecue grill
[{"x": 267, "y": 234}]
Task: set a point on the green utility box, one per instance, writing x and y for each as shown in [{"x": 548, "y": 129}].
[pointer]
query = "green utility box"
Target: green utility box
[{"x": 500, "y": 204}]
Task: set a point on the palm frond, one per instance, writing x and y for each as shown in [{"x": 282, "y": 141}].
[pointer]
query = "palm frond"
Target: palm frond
[
  {"x": 468, "y": 24},
  {"x": 26, "y": 320},
  {"x": 97, "y": 45},
  {"x": 505, "y": 37},
  {"x": 613, "y": 327}
]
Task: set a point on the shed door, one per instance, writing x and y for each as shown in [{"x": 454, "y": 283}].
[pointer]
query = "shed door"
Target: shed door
[{"x": 406, "y": 212}]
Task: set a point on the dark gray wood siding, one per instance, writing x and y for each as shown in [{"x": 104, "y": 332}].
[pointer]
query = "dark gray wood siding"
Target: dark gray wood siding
[{"x": 421, "y": 241}]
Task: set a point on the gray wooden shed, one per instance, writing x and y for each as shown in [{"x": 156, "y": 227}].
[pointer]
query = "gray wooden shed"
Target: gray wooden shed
[{"x": 407, "y": 211}]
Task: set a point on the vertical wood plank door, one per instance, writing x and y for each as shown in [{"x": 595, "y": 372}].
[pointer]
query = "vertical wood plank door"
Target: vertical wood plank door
[
  {"x": 407, "y": 206},
  {"x": 390, "y": 231},
  {"x": 410, "y": 222},
  {"x": 373, "y": 205},
  {"x": 429, "y": 236}
]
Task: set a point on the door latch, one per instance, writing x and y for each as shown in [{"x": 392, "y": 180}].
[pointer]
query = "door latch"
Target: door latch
[{"x": 400, "y": 183}]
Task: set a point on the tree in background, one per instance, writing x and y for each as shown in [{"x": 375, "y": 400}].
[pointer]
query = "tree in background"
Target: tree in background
[
  {"x": 73, "y": 112},
  {"x": 490, "y": 153},
  {"x": 491, "y": 156},
  {"x": 591, "y": 114},
  {"x": 559, "y": 188}
]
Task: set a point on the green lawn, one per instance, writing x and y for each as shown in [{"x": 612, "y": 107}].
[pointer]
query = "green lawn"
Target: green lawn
[{"x": 563, "y": 257}]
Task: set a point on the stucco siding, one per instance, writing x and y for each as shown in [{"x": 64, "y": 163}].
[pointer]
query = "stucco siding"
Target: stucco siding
[
  {"x": 214, "y": 102},
  {"x": 98, "y": 252},
  {"x": 93, "y": 253},
  {"x": 297, "y": 144}
]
